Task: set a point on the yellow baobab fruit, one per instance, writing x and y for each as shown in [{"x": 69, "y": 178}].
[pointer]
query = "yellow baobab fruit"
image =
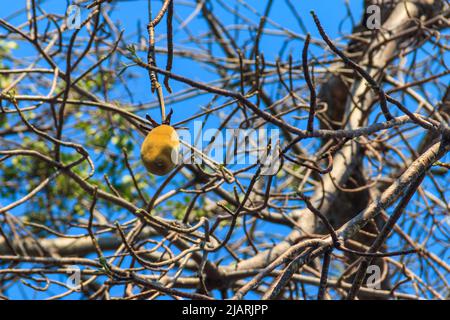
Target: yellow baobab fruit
[{"x": 159, "y": 151}]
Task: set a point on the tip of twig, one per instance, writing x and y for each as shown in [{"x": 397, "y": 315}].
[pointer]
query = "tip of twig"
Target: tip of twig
[
  {"x": 169, "y": 116},
  {"x": 150, "y": 119}
]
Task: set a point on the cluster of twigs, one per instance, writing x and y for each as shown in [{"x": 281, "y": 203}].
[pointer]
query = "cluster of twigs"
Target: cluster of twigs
[{"x": 363, "y": 182}]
